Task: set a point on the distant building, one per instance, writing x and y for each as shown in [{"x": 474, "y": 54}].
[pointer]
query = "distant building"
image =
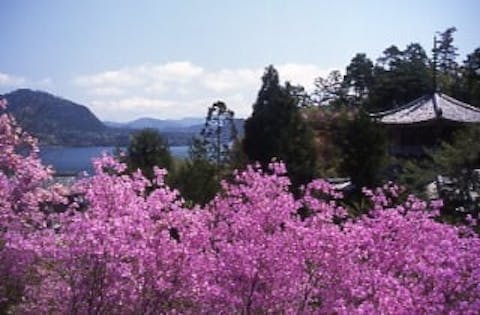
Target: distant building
[{"x": 424, "y": 123}]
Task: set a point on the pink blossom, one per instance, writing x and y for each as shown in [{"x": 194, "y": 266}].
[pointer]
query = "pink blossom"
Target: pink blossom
[{"x": 118, "y": 243}]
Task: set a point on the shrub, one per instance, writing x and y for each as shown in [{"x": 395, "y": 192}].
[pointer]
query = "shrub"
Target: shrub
[{"x": 247, "y": 251}]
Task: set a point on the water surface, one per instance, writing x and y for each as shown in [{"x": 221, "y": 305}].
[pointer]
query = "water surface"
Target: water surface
[{"x": 72, "y": 160}]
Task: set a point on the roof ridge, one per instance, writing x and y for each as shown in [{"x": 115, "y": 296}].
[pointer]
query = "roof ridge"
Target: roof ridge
[
  {"x": 423, "y": 98},
  {"x": 458, "y": 102}
]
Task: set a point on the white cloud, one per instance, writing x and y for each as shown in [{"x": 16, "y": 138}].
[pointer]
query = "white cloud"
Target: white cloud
[
  {"x": 143, "y": 103},
  {"x": 45, "y": 83},
  {"x": 136, "y": 103},
  {"x": 11, "y": 80},
  {"x": 231, "y": 79},
  {"x": 175, "y": 71},
  {"x": 181, "y": 89},
  {"x": 134, "y": 107},
  {"x": 8, "y": 82},
  {"x": 303, "y": 74},
  {"x": 146, "y": 74},
  {"x": 119, "y": 78},
  {"x": 106, "y": 91}
]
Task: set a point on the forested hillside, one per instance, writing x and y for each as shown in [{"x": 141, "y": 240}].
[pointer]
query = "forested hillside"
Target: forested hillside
[{"x": 57, "y": 121}]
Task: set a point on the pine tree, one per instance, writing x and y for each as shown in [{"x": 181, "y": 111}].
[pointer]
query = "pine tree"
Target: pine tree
[
  {"x": 363, "y": 147},
  {"x": 148, "y": 149},
  {"x": 399, "y": 77},
  {"x": 471, "y": 75},
  {"x": 276, "y": 129},
  {"x": 198, "y": 177},
  {"x": 448, "y": 76},
  {"x": 218, "y": 134},
  {"x": 447, "y": 52},
  {"x": 360, "y": 75}
]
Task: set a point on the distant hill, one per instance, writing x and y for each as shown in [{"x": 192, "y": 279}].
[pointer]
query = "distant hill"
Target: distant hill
[
  {"x": 39, "y": 111},
  {"x": 160, "y": 124},
  {"x": 191, "y": 125},
  {"x": 57, "y": 121}
]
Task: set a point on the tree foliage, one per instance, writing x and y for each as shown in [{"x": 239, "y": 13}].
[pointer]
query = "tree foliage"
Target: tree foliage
[
  {"x": 363, "y": 148},
  {"x": 331, "y": 90},
  {"x": 218, "y": 134},
  {"x": 327, "y": 123},
  {"x": 210, "y": 157},
  {"x": 359, "y": 75},
  {"x": 276, "y": 129},
  {"x": 471, "y": 75},
  {"x": 399, "y": 77},
  {"x": 454, "y": 168},
  {"x": 446, "y": 52},
  {"x": 148, "y": 149},
  {"x": 197, "y": 178}
]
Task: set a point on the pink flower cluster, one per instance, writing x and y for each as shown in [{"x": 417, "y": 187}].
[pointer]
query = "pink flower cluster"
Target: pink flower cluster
[{"x": 127, "y": 245}]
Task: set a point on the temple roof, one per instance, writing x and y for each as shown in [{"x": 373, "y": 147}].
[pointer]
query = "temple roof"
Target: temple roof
[{"x": 430, "y": 107}]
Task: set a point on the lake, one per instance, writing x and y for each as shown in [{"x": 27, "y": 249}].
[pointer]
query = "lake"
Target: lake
[{"x": 77, "y": 159}]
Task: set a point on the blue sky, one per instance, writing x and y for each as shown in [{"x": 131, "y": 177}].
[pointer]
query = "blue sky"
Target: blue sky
[{"x": 170, "y": 59}]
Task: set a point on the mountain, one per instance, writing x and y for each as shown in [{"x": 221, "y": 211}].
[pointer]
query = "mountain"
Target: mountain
[
  {"x": 160, "y": 124},
  {"x": 176, "y": 131},
  {"x": 57, "y": 121},
  {"x": 190, "y": 125},
  {"x": 39, "y": 111},
  {"x": 164, "y": 125},
  {"x": 113, "y": 124}
]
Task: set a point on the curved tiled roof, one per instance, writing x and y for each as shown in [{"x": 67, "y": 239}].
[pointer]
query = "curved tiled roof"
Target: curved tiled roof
[{"x": 430, "y": 107}]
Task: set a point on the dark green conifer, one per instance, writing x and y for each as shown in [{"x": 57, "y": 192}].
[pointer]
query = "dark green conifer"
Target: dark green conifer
[{"x": 276, "y": 129}]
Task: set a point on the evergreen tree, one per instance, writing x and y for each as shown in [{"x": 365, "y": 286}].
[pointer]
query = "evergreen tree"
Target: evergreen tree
[
  {"x": 471, "y": 75},
  {"x": 276, "y": 130},
  {"x": 448, "y": 74},
  {"x": 301, "y": 95},
  {"x": 331, "y": 90},
  {"x": 218, "y": 134},
  {"x": 360, "y": 75},
  {"x": 417, "y": 72},
  {"x": 458, "y": 162},
  {"x": 148, "y": 149},
  {"x": 363, "y": 147},
  {"x": 446, "y": 52},
  {"x": 399, "y": 77},
  {"x": 197, "y": 177}
]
